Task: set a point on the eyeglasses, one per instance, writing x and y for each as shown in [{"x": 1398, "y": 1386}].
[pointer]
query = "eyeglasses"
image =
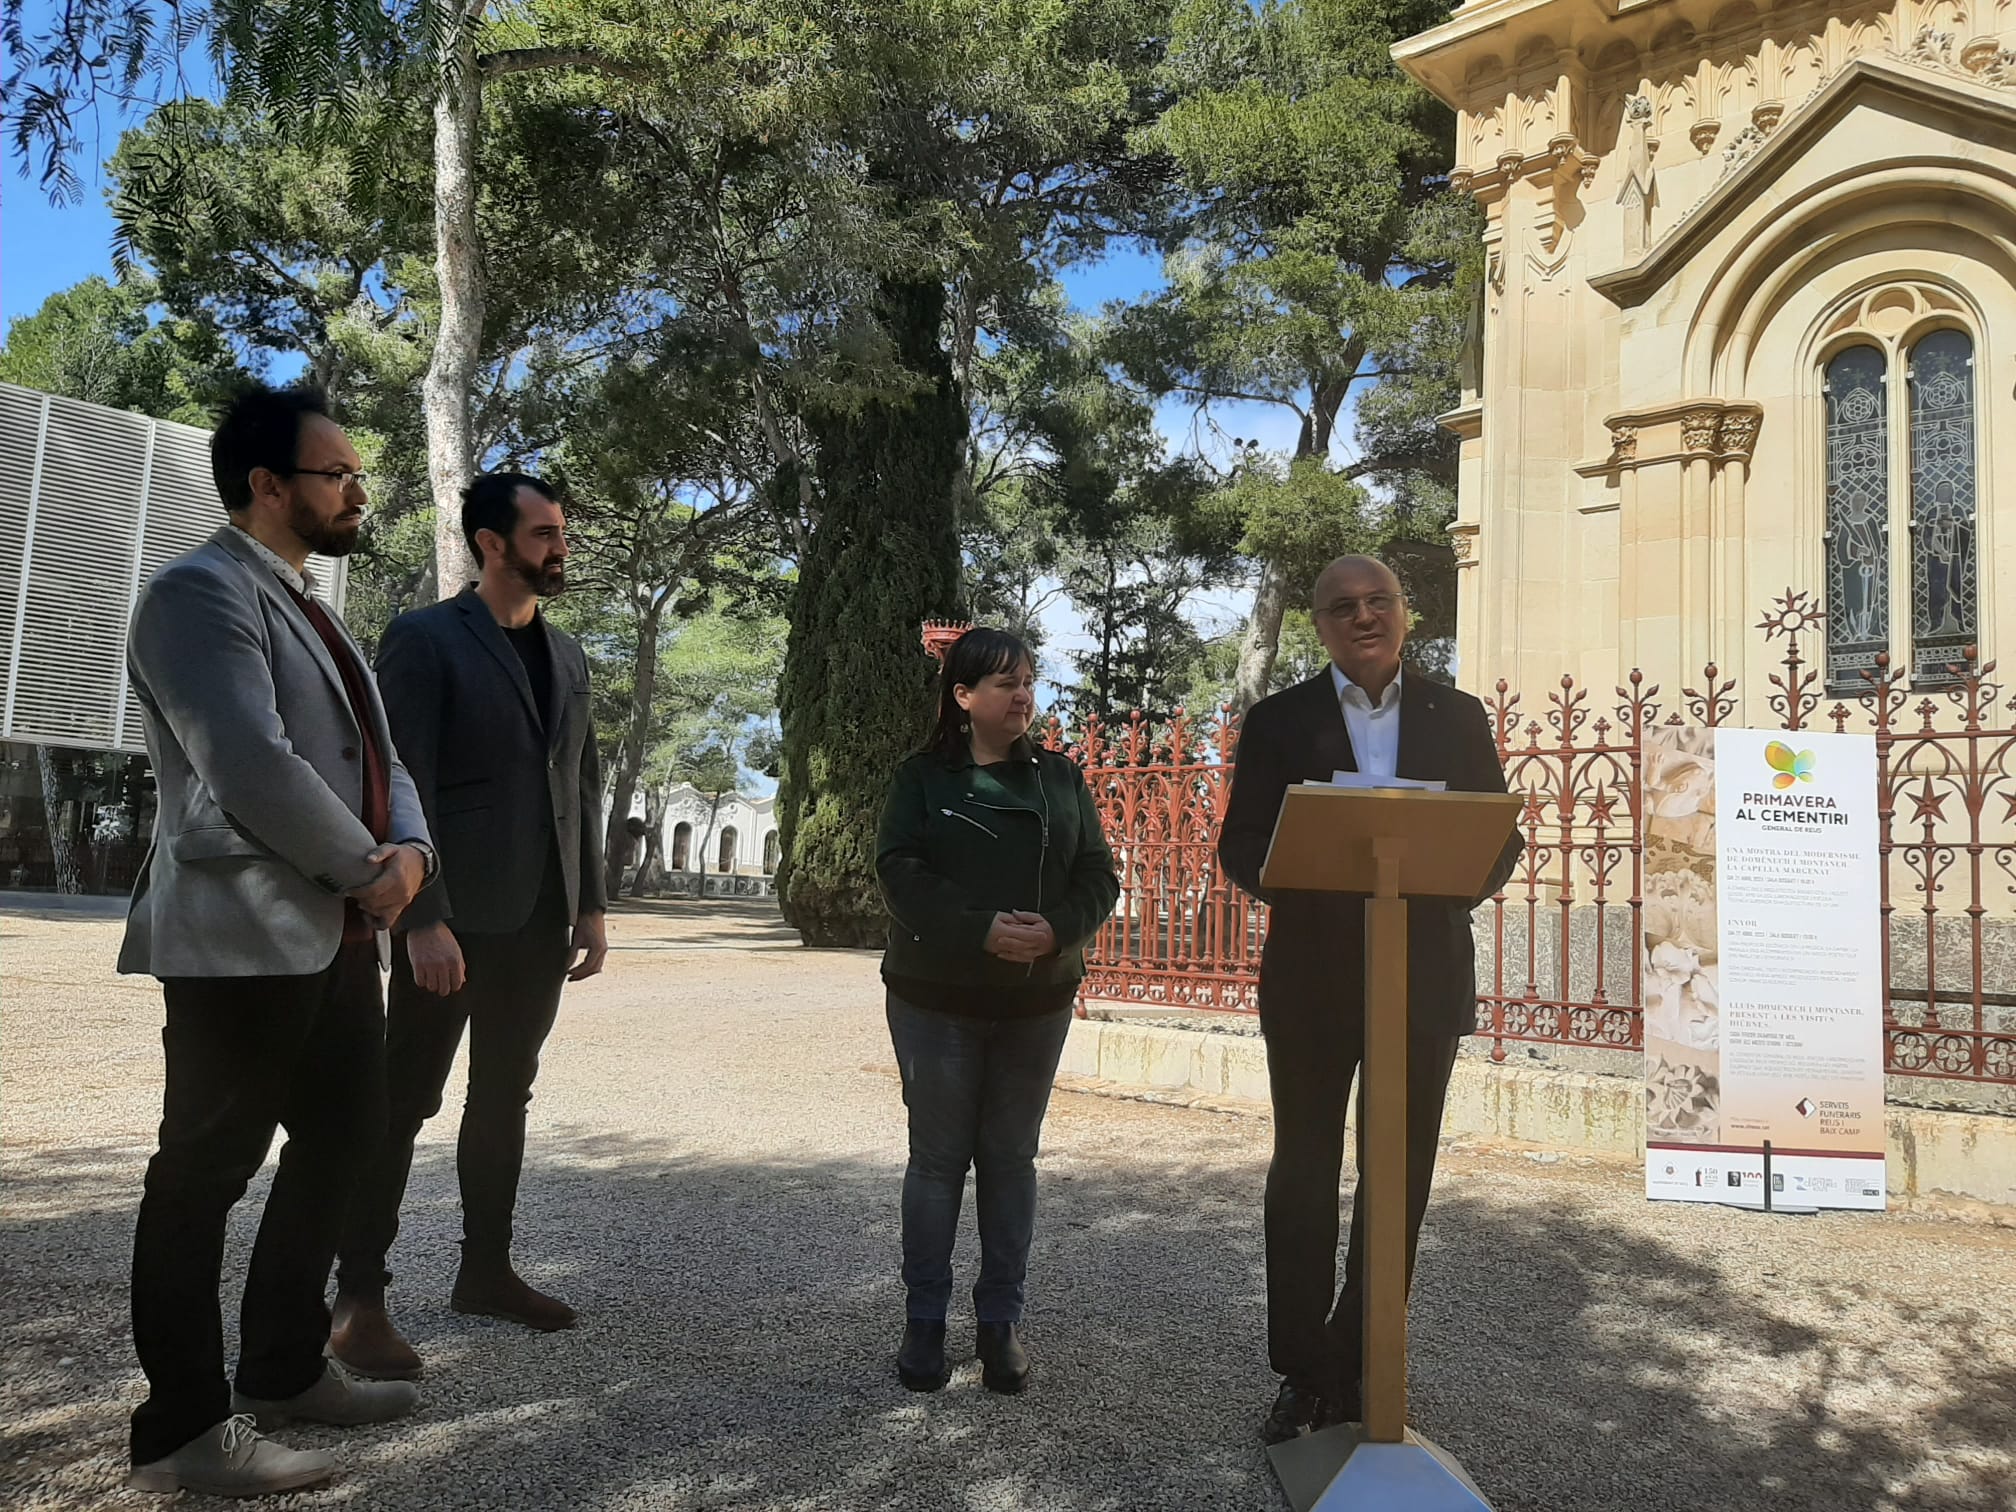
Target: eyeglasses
[
  {"x": 1347, "y": 608},
  {"x": 343, "y": 476}
]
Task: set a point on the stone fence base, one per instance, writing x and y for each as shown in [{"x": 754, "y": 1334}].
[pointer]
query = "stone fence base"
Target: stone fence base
[
  {"x": 689, "y": 884},
  {"x": 1936, "y": 1157}
]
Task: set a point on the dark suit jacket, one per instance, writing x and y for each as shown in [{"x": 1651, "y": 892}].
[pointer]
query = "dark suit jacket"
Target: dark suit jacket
[
  {"x": 501, "y": 783},
  {"x": 1315, "y": 953}
]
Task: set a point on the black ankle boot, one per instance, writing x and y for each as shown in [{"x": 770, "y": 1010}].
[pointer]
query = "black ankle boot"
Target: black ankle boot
[
  {"x": 920, "y": 1363},
  {"x": 1004, "y": 1363}
]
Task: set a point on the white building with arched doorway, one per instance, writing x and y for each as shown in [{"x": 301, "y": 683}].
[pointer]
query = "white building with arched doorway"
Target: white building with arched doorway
[{"x": 727, "y": 846}]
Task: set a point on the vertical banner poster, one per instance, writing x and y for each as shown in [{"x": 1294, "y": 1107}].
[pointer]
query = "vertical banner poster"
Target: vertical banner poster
[{"x": 1763, "y": 968}]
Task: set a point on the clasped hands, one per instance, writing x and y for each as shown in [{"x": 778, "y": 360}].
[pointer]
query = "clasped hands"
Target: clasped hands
[
  {"x": 401, "y": 875},
  {"x": 1020, "y": 937}
]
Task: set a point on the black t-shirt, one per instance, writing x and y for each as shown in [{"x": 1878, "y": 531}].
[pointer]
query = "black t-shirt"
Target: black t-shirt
[{"x": 529, "y": 641}]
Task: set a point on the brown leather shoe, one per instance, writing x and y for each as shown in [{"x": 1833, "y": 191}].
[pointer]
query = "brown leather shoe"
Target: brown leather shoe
[
  {"x": 503, "y": 1293},
  {"x": 362, "y": 1338}
]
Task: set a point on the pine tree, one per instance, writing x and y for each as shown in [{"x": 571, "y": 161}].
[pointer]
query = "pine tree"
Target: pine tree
[{"x": 857, "y": 686}]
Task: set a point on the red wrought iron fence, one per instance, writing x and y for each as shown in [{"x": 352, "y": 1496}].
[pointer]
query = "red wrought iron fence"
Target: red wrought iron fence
[{"x": 1562, "y": 964}]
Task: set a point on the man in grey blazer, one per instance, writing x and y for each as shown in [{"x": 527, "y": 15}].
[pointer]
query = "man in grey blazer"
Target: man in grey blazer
[
  {"x": 490, "y": 705},
  {"x": 287, "y": 834}
]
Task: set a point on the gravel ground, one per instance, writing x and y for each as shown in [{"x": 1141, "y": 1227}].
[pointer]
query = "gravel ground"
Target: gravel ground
[{"x": 713, "y": 1172}]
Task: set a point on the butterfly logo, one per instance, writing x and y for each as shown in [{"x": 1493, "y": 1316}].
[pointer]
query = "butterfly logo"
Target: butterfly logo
[{"x": 1791, "y": 766}]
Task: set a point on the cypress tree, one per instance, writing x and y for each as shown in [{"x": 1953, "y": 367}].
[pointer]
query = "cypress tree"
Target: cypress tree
[{"x": 857, "y": 685}]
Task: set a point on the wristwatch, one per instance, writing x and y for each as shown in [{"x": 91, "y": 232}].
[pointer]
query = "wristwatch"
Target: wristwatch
[{"x": 430, "y": 861}]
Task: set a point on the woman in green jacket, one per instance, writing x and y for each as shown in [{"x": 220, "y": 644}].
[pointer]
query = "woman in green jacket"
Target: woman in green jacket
[{"x": 996, "y": 874}]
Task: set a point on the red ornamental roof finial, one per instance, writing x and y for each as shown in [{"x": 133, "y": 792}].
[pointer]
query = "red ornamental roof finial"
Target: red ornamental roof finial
[{"x": 940, "y": 634}]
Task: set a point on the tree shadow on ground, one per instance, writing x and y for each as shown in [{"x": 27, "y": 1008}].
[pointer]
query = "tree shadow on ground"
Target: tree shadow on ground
[
  {"x": 739, "y": 1318},
  {"x": 702, "y": 924}
]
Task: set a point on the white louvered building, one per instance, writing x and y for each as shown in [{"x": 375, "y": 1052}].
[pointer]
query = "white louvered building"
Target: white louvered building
[{"x": 92, "y": 501}]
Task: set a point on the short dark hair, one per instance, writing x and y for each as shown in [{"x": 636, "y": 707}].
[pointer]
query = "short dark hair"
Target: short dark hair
[
  {"x": 978, "y": 654},
  {"x": 491, "y": 503},
  {"x": 259, "y": 427}
]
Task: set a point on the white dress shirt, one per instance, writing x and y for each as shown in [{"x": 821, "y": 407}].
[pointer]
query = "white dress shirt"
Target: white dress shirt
[
  {"x": 283, "y": 569},
  {"x": 1374, "y": 728}
]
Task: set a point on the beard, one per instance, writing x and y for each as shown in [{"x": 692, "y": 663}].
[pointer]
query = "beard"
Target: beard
[
  {"x": 543, "y": 578},
  {"x": 330, "y": 538}
]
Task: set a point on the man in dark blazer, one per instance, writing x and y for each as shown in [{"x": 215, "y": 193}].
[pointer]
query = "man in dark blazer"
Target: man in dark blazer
[
  {"x": 489, "y": 704},
  {"x": 1360, "y": 714},
  {"x": 288, "y": 835}
]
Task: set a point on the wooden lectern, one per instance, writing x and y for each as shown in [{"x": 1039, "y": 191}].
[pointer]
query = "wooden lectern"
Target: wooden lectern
[{"x": 1389, "y": 844}]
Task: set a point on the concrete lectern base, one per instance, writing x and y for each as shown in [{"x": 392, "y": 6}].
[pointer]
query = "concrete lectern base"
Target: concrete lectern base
[{"x": 1339, "y": 1470}]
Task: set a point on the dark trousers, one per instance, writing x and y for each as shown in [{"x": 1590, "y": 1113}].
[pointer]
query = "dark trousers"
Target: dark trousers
[
  {"x": 976, "y": 1090},
  {"x": 247, "y": 1055},
  {"x": 1316, "y": 1332},
  {"x": 509, "y": 999}
]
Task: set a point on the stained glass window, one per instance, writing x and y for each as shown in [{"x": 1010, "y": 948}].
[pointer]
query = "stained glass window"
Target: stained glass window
[
  {"x": 1943, "y": 583},
  {"x": 1858, "y": 516}
]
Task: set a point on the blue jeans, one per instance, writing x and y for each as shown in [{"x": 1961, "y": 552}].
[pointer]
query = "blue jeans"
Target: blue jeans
[{"x": 976, "y": 1090}]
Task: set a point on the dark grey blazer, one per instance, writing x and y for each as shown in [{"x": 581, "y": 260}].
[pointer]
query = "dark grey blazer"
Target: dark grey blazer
[
  {"x": 1314, "y": 959},
  {"x": 500, "y": 781}
]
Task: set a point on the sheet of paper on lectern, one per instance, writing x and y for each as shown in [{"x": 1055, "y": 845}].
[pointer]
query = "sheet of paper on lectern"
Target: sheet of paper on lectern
[{"x": 1361, "y": 780}]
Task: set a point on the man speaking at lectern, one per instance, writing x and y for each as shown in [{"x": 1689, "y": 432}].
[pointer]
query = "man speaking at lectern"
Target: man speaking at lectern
[{"x": 1360, "y": 714}]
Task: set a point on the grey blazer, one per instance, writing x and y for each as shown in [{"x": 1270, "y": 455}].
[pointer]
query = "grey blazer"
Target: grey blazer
[
  {"x": 504, "y": 784},
  {"x": 258, "y": 774}
]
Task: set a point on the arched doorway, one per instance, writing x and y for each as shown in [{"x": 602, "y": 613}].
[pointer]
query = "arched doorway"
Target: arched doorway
[
  {"x": 771, "y": 850},
  {"x": 682, "y": 846},
  {"x": 726, "y": 861}
]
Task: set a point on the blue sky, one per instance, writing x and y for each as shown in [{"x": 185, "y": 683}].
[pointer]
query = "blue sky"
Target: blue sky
[{"x": 44, "y": 248}]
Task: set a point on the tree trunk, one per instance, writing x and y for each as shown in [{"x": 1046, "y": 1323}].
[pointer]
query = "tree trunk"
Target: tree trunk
[
  {"x": 69, "y": 876},
  {"x": 856, "y": 688},
  {"x": 651, "y": 865},
  {"x": 1270, "y": 600},
  {"x": 1109, "y": 633},
  {"x": 1263, "y": 638},
  {"x": 458, "y": 265},
  {"x": 630, "y": 749},
  {"x": 707, "y": 840}
]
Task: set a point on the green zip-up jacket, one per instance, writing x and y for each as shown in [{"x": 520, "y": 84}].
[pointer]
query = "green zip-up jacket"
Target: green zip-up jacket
[{"x": 960, "y": 843}]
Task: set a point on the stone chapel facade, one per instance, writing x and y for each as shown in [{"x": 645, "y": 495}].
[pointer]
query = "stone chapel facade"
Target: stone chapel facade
[{"x": 1749, "y": 323}]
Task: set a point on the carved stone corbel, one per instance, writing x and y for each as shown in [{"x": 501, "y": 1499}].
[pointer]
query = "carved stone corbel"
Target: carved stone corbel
[
  {"x": 1569, "y": 170},
  {"x": 1711, "y": 430},
  {"x": 1738, "y": 434}
]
